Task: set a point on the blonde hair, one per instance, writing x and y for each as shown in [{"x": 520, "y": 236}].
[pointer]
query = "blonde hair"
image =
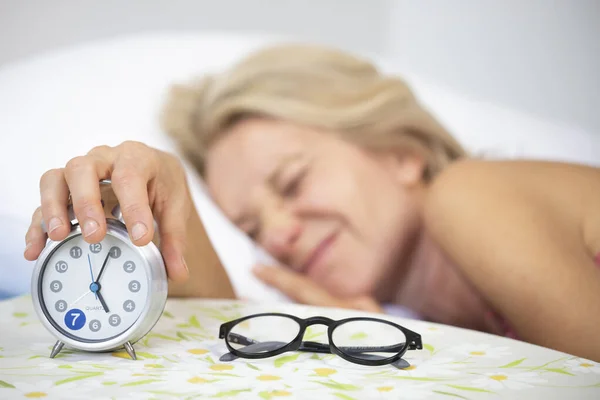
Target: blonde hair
[{"x": 311, "y": 85}]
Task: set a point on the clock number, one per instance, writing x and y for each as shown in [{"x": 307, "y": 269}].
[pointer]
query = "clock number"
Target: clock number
[
  {"x": 95, "y": 325},
  {"x": 96, "y": 248},
  {"x": 129, "y": 266},
  {"x": 129, "y": 305},
  {"x": 115, "y": 252},
  {"x": 60, "y": 305},
  {"x": 114, "y": 320},
  {"x": 134, "y": 286},
  {"x": 56, "y": 286},
  {"x": 75, "y": 252},
  {"x": 75, "y": 319},
  {"x": 61, "y": 267}
]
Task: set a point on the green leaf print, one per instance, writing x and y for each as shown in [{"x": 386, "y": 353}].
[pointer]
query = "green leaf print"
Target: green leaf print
[
  {"x": 358, "y": 336},
  {"x": 310, "y": 334},
  {"x": 231, "y": 393},
  {"x": 338, "y": 386},
  {"x": 285, "y": 359},
  {"x": 78, "y": 378},
  {"x": 449, "y": 394},
  {"x": 6, "y": 385},
  {"x": 417, "y": 378},
  {"x": 559, "y": 371},
  {"x": 164, "y": 337},
  {"x": 469, "y": 388},
  {"x": 101, "y": 366},
  {"x": 264, "y": 395},
  {"x": 168, "y": 314},
  {"x": 514, "y": 363},
  {"x": 253, "y": 367},
  {"x": 429, "y": 348},
  {"x": 343, "y": 396},
  {"x": 182, "y": 336},
  {"x": 146, "y": 355},
  {"x": 19, "y": 315},
  {"x": 142, "y": 382},
  {"x": 194, "y": 322}
]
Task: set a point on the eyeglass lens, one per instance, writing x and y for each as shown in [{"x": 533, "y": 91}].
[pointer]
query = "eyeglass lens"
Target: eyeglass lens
[
  {"x": 262, "y": 334},
  {"x": 368, "y": 340}
]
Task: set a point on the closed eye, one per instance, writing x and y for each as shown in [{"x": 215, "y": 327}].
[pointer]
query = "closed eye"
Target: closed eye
[
  {"x": 253, "y": 233},
  {"x": 292, "y": 187}
]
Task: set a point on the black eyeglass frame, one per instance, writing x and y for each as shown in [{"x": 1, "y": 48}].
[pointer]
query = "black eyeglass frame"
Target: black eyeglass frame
[{"x": 413, "y": 339}]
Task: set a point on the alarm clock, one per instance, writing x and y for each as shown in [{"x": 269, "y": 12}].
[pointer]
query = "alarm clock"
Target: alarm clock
[{"x": 99, "y": 297}]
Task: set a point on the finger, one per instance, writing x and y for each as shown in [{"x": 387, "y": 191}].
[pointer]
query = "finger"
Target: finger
[
  {"x": 82, "y": 175},
  {"x": 54, "y": 194},
  {"x": 173, "y": 217},
  {"x": 35, "y": 238},
  {"x": 296, "y": 286},
  {"x": 366, "y": 303},
  {"x": 135, "y": 166}
]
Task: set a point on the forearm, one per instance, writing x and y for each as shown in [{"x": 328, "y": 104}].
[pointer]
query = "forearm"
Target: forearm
[{"x": 208, "y": 277}]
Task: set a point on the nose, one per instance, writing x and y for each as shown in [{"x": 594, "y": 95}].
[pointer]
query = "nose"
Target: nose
[{"x": 281, "y": 230}]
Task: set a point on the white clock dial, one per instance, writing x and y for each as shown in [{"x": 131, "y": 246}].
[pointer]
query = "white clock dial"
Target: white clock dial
[{"x": 86, "y": 305}]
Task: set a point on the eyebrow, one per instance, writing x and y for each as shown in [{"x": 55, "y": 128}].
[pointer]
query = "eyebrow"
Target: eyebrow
[{"x": 272, "y": 179}]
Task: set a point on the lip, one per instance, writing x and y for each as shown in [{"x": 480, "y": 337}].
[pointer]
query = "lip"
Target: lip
[{"x": 318, "y": 253}]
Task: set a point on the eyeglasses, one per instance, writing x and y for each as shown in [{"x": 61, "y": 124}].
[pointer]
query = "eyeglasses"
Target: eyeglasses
[{"x": 360, "y": 340}]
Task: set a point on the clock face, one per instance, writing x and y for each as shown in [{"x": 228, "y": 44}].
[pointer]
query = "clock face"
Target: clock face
[{"x": 94, "y": 292}]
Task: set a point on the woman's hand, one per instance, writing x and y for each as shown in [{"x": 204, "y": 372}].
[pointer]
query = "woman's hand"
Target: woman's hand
[
  {"x": 147, "y": 183},
  {"x": 302, "y": 290}
]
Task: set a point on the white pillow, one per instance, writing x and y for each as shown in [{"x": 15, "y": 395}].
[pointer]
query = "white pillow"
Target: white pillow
[{"x": 60, "y": 104}]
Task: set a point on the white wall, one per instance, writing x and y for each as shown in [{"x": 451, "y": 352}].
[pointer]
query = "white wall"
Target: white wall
[
  {"x": 541, "y": 56},
  {"x": 538, "y": 56},
  {"x": 29, "y": 26}
]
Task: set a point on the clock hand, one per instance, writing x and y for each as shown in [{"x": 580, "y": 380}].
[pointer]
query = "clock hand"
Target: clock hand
[
  {"x": 80, "y": 297},
  {"x": 102, "y": 302},
  {"x": 103, "y": 266},
  {"x": 91, "y": 273}
]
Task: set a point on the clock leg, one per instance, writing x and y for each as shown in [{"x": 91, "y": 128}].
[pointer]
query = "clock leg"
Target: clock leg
[
  {"x": 56, "y": 349},
  {"x": 129, "y": 349}
]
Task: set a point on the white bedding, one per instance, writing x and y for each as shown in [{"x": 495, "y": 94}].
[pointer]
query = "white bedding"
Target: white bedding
[{"x": 60, "y": 104}]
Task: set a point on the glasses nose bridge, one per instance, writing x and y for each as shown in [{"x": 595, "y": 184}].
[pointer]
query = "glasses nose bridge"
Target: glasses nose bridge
[{"x": 318, "y": 321}]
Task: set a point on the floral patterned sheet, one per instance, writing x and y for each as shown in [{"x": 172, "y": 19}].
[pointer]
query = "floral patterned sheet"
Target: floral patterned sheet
[{"x": 179, "y": 359}]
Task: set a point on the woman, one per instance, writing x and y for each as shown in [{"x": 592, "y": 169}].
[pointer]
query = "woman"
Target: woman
[{"x": 341, "y": 175}]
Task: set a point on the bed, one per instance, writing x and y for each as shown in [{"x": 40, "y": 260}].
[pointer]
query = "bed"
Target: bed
[{"x": 60, "y": 104}]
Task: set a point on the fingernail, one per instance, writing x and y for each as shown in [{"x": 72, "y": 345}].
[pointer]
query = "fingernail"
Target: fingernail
[
  {"x": 138, "y": 231},
  {"x": 54, "y": 224},
  {"x": 185, "y": 265},
  {"x": 27, "y": 246},
  {"x": 89, "y": 227}
]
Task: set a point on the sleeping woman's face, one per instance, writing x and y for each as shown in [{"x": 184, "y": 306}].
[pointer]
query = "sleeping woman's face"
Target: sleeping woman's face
[{"x": 324, "y": 207}]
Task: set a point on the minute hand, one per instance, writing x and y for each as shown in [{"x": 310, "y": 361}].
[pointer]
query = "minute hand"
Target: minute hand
[{"x": 103, "y": 266}]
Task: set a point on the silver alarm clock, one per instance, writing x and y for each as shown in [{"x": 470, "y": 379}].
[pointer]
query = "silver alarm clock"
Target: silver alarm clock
[{"x": 99, "y": 297}]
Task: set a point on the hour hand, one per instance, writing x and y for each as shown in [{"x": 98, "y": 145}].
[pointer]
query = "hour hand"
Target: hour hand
[{"x": 102, "y": 301}]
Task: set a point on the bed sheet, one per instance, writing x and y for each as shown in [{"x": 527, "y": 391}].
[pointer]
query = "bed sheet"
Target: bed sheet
[{"x": 179, "y": 358}]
